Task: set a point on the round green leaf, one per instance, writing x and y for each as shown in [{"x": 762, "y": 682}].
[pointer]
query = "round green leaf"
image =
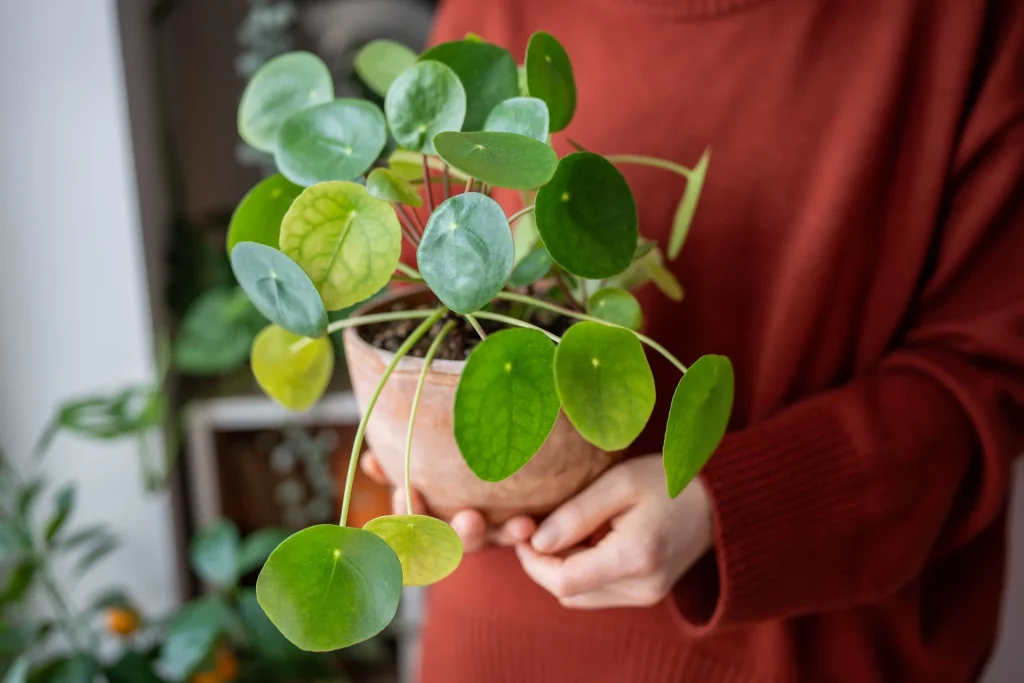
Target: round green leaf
[
  {"x": 499, "y": 159},
  {"x": 216, "y": 333},
  {"x": 258, "y": 216},
  {"x": 534, "y": 266},
  {"x": 283, "y": 86},
  {"x": 605, "y": 384},
  {"x": 616, "y": 306},
  {"x": 523, "y": 115},
  {"x": 466, "y": 252},
  {"x": 336, "y": 140},
  {"x": 587, "y": 217},
  {"x": 425, "y": 99},
  {"x": 346, "y": 240},
  {"x": 380, "y": 62},
  {"x": 385, "y": 184},
  {"x": 329, "y": 587},
  {"x": 214, "y": 553},
  {"x": 428, "y": 549},
  {"x": 549, "y": 77},
  {"x": 294, "y": 377},
  {"x": 279, "y": 289},
  {"x": 506, "y": 403},
  {"x": 697, "y": 419},
  {"x": 487, "y": 72}
]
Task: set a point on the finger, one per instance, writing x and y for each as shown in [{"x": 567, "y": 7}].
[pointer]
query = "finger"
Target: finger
[
  {"x": 514, "y": 531},
  {"x": 399, "y": 507},
  {"x": 582, "y": 572},
  {"x": 370, "y": 466},
  {"x": 603, "y": 598},
  {"x": 471, "y": 527},
  {"x": 583, "y": 514}
]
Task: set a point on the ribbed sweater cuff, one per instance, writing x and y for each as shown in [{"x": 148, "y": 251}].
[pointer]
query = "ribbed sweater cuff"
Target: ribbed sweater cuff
[{"x": 788, "y": 502}]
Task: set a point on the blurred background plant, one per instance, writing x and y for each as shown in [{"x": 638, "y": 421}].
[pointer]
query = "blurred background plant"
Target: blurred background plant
[{"x": 219, "y": 637}]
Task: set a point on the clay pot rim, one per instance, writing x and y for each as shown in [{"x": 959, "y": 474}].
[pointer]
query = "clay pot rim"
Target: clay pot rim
[{"x": 438, "y": 368}]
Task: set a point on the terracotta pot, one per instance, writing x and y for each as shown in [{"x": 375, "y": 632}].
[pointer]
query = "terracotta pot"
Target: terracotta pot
[{"x": 564, "y": 465}]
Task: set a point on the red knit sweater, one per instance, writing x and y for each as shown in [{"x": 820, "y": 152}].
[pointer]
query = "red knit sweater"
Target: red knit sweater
[{"x": 859, "y": 254}]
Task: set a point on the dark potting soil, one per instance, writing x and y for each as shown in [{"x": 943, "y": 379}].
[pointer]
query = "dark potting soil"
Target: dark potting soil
[{"x": 462, "y": 338}]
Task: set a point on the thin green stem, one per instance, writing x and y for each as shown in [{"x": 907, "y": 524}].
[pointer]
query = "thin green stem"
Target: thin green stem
[
  {"x": 499, "y": 318},
  {"x": 364, "y": 320},
  {"x": 520, "y": 213},
  {"x": 427, "y": 359},
  {"x": 429, "y": 185},
  {"x": 563, "y": 284},
  {"x": 649, "y": 161},
  {"x": 447, "y": 183},
  {"x": 476, "y": 325},
  {"x": 539, "y": 303},
  {"x": 357, "y": 445},
  {"x": 408, "y": 271}
]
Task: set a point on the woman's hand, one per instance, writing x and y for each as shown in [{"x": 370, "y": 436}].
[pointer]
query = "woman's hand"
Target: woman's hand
[
  {"x": 470, "y": 525},
  {"x": 653, "y": 540}
]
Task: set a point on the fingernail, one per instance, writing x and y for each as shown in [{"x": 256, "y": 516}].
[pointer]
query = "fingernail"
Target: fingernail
[
  {"x": 459, "y": 524},
  {"x": 544, "y": 539}
]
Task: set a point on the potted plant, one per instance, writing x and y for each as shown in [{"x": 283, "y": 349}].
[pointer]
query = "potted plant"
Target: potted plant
[{"x": 556, "y": 378}]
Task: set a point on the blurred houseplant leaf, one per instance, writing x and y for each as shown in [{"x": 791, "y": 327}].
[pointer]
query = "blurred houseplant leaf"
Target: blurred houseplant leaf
[
  {"x": 214, "y": 553},
  {"x": 217, "y": 332}
]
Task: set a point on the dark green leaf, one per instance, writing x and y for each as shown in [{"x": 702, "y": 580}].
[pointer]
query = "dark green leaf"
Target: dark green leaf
[
  {"x": 259, "y": 214},
  {"x": 19, "y": 580},
  {"x": 380, "y": 62},
  {"x": 426, "y": 99},
  {"x": 86, "y": 537},
  {"x": 697, "y": 419},
  {"x": 28, "y": 495},
  {"x": 131, "y": 668},
  {"x": 523, "y": 115},
  {"x": 99, "y": 551},
  {"x": 605, "y": 384},
  {"x": 466, "y": 252},
  {"x": 549, "y": 77},
  {"x": 217, "y": 332},
  {"x": 63, "y": 505},
  {"x": 262, "y": 633},
  {"x": 279, "y": 289},
  {"x": 428, "y": 548},
  {"x": 385, "y": 184},
  {"x": 587, "y": 217},
  {"x": 257, "y": 548},
  {"x": 688, "y": 205},
  {"x": 283, "y": 86},
  {"x": 487, "y": 72},
  {"x": 506, "y": 403},
  {"x": 191, "y": 636},
  {"x": 214, "y": 553},
  {"x": 329, "y": 587},
  {"x": 499, "y": 159},
  {"x": 536, "y": 265},
  {"x": 345, "y": 239},
  {"x": 616, "y": 306},
  {"x": 78, "y": 668},
  {"x": 336, "y": 140}
]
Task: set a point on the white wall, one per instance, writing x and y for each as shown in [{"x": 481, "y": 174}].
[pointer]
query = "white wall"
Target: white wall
[{"x": 74, "y": 308}]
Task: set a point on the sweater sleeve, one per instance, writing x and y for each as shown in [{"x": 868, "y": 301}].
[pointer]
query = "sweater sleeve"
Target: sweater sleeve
[{"x": 843, "y": 498}]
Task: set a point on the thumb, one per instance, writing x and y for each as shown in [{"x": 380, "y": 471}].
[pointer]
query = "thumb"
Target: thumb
[{"x": 586, "y": 512}]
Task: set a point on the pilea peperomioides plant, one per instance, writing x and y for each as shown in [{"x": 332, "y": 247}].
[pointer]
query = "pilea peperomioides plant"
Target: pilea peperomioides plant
[{"x": 327, "y": 233}]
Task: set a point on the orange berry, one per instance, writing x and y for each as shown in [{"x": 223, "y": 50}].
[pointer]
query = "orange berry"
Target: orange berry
[
  {"x": 122, "y": 621},
  {"x": 205, "y": 677}
]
